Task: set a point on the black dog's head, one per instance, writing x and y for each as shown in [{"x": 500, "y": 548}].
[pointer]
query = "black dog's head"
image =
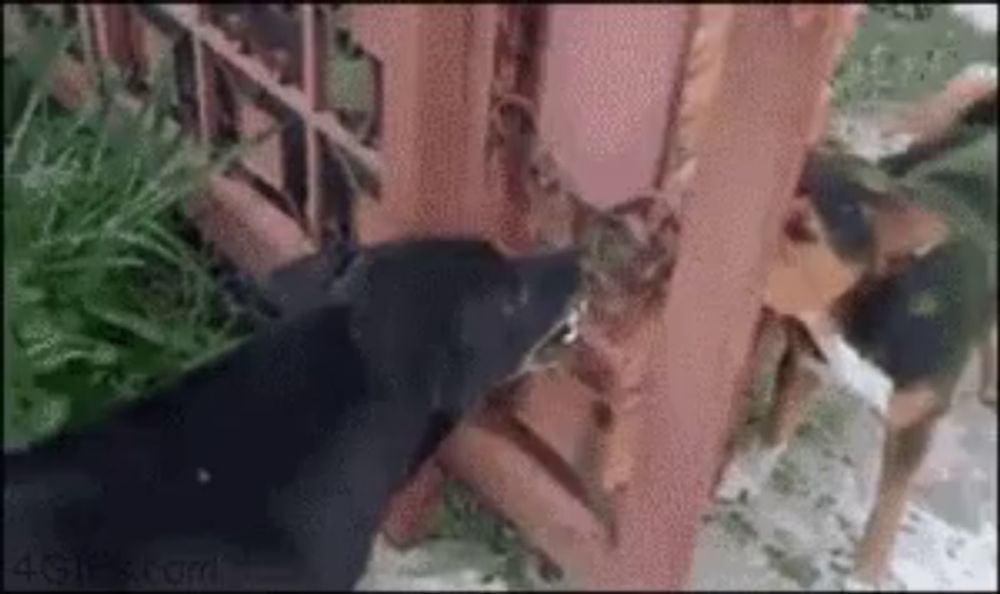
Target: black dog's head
[
  {"x": 450, "y": 318},
  {"x": 457, "y": 314}
]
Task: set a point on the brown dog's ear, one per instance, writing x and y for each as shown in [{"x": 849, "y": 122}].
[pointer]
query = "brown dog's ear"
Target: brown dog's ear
[
  {"x": 801, "y": 225},
  {"x": 807, "y": 275}
]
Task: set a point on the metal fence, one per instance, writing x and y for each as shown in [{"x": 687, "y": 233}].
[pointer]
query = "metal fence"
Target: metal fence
[{"x": 448, "y": 119}]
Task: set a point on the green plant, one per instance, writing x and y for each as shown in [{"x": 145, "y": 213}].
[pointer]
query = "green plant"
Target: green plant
[
  {"x": 787, "y": 477},
  {"x": 902, "y": 52},
  {"x": 102, "y": 296},
  {"x": 737, "y": 526},
  {"x": 827, "y": 424},
  {"x": 800, "y": 569},
  {"x": 462, "y": 517}
]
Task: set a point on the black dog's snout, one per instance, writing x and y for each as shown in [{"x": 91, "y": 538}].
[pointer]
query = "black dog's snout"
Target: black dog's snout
[
  {"x": 555, "y": 277},
  {"x": 552, "y": 283}
]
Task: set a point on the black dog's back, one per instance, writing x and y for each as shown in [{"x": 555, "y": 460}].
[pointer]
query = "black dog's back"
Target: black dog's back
[{"x": 211, "y": 454}]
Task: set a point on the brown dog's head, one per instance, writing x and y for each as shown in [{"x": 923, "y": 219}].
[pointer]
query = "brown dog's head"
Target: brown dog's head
[
  {"x": 853, "y": 218},
  {"x": 829, "y": 238},
  {"x": 839, "y": 231}
]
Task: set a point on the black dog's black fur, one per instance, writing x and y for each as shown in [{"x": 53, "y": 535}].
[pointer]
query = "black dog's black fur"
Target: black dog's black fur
[{"x": 270, "y": 467}]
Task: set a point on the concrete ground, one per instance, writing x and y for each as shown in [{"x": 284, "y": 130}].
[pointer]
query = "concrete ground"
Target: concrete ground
[{"x": 800, "y": 530}]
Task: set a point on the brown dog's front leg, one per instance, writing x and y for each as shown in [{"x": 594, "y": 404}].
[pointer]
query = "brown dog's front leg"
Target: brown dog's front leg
[
  {"x": 795, "y": 384},
  {"x": 913, "y": 414},
  {"x": 988, "y": 371},
  {"x": 791, "y": 403}
]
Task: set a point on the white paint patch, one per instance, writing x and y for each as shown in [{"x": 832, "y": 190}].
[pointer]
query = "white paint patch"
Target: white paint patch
[
  {"x": 981, "y": 70},
  {"x": 981, "y": 16}
]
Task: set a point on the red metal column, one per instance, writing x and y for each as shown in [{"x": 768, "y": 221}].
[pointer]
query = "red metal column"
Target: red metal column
[
  {"x": 753, "y": 98},
  {"x": 435, "y": 92},
  {"x": 771, "y": 90}
]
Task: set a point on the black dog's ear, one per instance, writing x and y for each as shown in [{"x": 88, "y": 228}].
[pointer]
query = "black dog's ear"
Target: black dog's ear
[{"x": 309, "y": 282}]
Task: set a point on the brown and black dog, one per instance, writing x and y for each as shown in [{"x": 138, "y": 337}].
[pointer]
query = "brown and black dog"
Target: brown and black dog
[{"x": 852, "y": 262}]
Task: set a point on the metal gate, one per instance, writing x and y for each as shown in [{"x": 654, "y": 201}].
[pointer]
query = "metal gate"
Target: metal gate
[{"x": 433, "y": 119}]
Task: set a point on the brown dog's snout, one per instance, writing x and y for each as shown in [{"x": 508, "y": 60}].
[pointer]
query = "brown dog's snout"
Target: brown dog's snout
[{"x": 807, "y": 275}]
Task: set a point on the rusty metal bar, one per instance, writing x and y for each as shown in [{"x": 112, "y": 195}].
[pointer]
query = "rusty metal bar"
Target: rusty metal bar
[
  {"x": 256, "y": 236},
  {"x": 295, "y": 99},
  {"x": 205, "y": 81},
  {"x": 236, "y": 219},
  {"x": 555, "y": 520},
  {"x": 564, "y": 418},
  {"x": 314, "y": 78},
  {"x": 315, "y": 196},
  {"x": 313, "y": 64},
  {"x": 111, "y": 32},
  {"x": 87, "y": 38}
]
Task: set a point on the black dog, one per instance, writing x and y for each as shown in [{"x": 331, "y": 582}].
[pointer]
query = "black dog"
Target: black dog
[{"x": 270, "y": 468}]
